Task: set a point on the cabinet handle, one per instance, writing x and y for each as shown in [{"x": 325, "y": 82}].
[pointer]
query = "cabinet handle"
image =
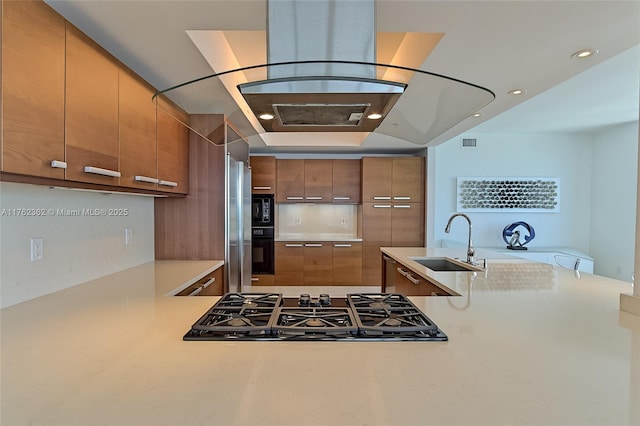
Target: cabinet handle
[
  {"x": 313, "y": 245},
  {"x": 261, "y": 188},
  {"x": 255, "y": 279},
  {"x": 401, "y": 206},
  {"x": 402, "y": 272},
  {"x": 208, "y": 283},
  {"x": 196, "y": 291},
  {"x": 382, "y": 206},
  {"x": 413, "y": 280},
  {"x": 342, "y": 245},
  {"x": 295, "y": 198},
  {"x": 402, "y": 198},
  {"x": 341, "y": 198},
  {"x": 145, "y": 179},
  {"x": 293, "y": 245},
  {"x": 167, "y": 183},
  {"x": 56, "y": 164},
  {"x": 313, "y": 198},
  {"x": 381, "y": 198},
  {"x": 102, "y": 172}
]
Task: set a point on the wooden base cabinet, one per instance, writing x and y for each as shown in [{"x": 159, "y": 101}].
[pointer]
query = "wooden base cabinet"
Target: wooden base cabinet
[
  {"x": 318, "y": 263},
  {"x": 289, "y": 263},
  {"x": 210, "y": 285},
  {"x": 409, "y": 283},
  {"x": 347, "y": 263}
]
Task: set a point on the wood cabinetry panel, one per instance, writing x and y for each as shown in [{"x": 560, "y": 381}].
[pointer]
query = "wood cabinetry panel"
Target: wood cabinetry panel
[
  {"x": 377, "y": 173},
  {"x": 173, "y": 152},
  {"x": 137, "y": 124},
  {"x": 263, "y": 174},
  {"x": 411, "y": 284},
  {"x": 372, "y": 262},
  {"x": 263, "y": 279},
  {"x": 347, "y": 181},
  {"x": 318, "y": 180},
  {"x": 91, "y": 109},
  {"x": 318, "y": 264},
  {"x": 376, "y": 222},
  {"x": 289, "y": 263},
  {"x": 407, "y": 225},
  {"x": 408, "y": 179},
  {"x": 290, "y": 181},
  {"x": 33, "y": 75},
  {"x": 347, "y": 263}
]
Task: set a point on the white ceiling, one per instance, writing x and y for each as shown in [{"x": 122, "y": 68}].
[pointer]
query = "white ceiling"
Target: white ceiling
[{"x": 500, "y": 45}]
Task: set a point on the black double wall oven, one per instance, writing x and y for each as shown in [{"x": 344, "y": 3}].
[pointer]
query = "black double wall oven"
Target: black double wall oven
[{"x": 262, "y": 234}]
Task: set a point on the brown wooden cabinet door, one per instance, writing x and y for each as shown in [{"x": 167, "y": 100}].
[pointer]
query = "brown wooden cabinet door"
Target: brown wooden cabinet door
[
  {"x": 346, "y": 181},
  {"x": 33, "y": 74},
  {"x": 407, "y": 225},
  {"x": 137, "y": 124},
  {"x": 290, "y": 181},
  {"x": 376, "y": 222},
  {"x": 318, "y": 181},
  {"x": 347, "y": 263},
  {"x": 263, "y": 174},
  {"x": 372, "y": 262},
  {"x": 377, "y": 173},
  {"x": 91, "y": 110},
  {"x": 408, "y": 179},
  {"x": 173, "y": 153},
  {"x": 213, "y": 284},
  {"x": 289, "y": 263},
  {"x": 318, "y": 263},
  {"x": 411, "y": 284}
]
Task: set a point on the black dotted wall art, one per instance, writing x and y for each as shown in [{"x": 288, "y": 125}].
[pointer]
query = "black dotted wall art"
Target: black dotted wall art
[{"x": 512, "y": 194}]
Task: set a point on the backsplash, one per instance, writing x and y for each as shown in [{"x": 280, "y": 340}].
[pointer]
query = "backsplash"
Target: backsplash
[
  {"x": 83, "y": 235},
  {"x": 331, "y": 220}
]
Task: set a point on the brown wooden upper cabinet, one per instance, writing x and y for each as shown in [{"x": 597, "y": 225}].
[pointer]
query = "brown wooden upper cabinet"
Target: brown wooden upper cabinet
[
  {"x": 263, "y": 174},
  {"x": 137, "y": 125},
  {"x": 173, "y": 148},
  {"x": 393, "y": 179},
  {"x": 33, "y": 75},
  {"x": 318, "y": 181},
  {"x": 91, "y": 121},
  {"x": 347, "y": 181},
  {"x": 290, "y": 181}
]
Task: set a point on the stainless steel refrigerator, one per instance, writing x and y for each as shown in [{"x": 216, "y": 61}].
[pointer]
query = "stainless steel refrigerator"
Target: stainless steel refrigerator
[{"x": 238, "y": 217}]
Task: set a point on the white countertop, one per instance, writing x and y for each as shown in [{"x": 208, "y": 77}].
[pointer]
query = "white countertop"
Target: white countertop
[
  {"x": 528, "y": 344},
  {"x": 317, "y": 237}
]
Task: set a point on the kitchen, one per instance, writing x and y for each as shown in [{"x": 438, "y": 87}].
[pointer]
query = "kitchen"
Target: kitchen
[{"x": 176, "y": 375}]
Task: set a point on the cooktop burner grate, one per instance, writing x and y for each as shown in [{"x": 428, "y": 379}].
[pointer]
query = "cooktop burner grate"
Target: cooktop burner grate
[{"x": 360, "y": 317}]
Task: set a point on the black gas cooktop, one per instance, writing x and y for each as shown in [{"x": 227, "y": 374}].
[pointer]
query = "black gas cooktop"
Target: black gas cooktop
[{"x": 357, "y": 317}]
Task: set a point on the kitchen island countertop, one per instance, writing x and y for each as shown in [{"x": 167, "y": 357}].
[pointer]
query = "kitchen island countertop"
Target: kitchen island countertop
[{"x": 529, "y": 344}]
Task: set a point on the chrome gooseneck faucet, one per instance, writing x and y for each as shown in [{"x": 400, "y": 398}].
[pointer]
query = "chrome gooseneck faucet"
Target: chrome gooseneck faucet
[{"x": 471, "y": 253}]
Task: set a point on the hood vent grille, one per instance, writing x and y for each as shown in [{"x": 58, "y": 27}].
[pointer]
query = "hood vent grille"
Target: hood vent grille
[{"x": 320, "y": 114}]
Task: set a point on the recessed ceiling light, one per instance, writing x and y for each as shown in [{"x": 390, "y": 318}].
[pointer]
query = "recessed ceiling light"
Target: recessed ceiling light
[
  {"x": 266, "y": 116},
  {"x": 374, "y": 116},
  {"x": 516, "y": 91},
  {"x": 584, "y": 53},
  {"x": 477, "y": 114}
]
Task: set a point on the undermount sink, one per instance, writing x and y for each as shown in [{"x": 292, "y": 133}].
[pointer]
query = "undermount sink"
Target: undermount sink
[{"x": 440, "y": 264}]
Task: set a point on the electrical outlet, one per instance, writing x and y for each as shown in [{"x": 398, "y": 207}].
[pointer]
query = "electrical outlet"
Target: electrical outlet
[
  {"x": 128, "y": 236},
  {"x": 37, "y": 249}
]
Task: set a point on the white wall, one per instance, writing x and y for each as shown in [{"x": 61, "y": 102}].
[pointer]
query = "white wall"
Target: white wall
[
  {"x": 564, "y": 156},
  {"x": 613, "y": 201},
  {"x": 76, "y": 248}
]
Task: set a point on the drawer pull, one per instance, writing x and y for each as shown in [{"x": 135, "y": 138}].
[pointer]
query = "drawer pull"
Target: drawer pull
[
  {"x": 56, "y": 164},
  {"x": 382, "y": 206},
  {"x": 402, "y": 272},
  {"x": 293, "y": 245},
  {"x": 208, "y": 283},
  {"x": 401, "y": 206},
  {"x": 342, "y": 245},
  {"x": 255, "y": 279},
  {"x": 145, "y": 179},
  {"x": 402, "y": 198},
  {"x": 295, "y": 198},
  {"x": 102, "y": 172},
  {"x": 262, "y": 188},
  {"x": 313, "y": 198},
  {"x": 313, "y": 245},
  {"x": 381, "y": 198},
  {"x": 341, "y": 198},
  {"x": 196, "y": 291},
  {"x": 413, "y": 280},
  {"x": 168, "y": 183}
]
